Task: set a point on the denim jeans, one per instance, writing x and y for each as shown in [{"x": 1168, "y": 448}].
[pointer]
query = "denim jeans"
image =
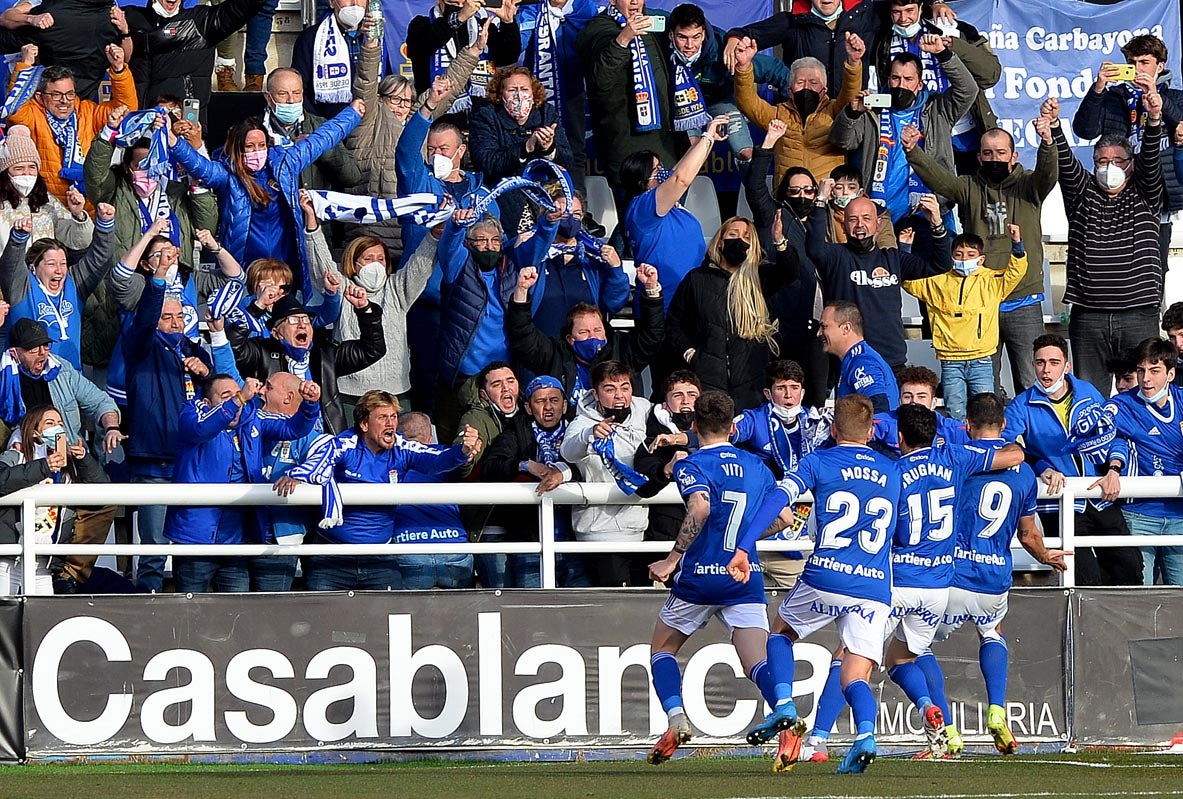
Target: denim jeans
[
  {"x": 740, "y": 135},
  {"x": 421, "y": 572},
  {"x": 1098, "y": 336},
  {"x": 962, "y": 379},
  {"x": 506, "y": 571},
  {"x": 272, "y": 574},
  {"x": 258, "y": 34},
  {"x": 150, "y": 523},
  {"x": 1017, "y": 329},
  {"x": 1170, "y": 558},
  {"x": 347, "y": 573},
  {"x": 197, "y": 575}
]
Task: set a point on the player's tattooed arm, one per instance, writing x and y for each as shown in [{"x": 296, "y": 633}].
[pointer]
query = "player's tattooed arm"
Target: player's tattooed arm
[
  {"x": 698, "y": 508},
  {"x": 1032, "y": 541}
]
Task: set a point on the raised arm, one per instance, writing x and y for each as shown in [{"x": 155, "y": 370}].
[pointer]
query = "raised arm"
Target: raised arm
[{"x": 686, "y": 171}]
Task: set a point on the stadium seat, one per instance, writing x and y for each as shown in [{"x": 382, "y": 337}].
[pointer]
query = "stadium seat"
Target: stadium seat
[
  {"x": 910, "y": 310},
  {"x": 703, "y": 202},
  {"x": 921, "y": 353},
  {"x": 743, "y": 208},
  {"x": 600, "y": 202},
  {"x": 1049, "y": 303},
  {"x": 1053, "y": 219}
]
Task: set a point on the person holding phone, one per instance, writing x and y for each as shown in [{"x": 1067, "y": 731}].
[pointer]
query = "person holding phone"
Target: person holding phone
[
  {"x": 42, "y": 452},
  {"x": 628, "y": 86},
  {"x": 436, "y": 38}
]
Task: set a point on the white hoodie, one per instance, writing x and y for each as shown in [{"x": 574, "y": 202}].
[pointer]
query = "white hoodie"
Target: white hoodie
[{"x": 605, "y": 522}]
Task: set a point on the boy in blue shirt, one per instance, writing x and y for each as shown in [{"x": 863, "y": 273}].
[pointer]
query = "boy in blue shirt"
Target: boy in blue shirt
[
  {"x": 847, "y": 580},
  {"x": 716, "y": 481}
]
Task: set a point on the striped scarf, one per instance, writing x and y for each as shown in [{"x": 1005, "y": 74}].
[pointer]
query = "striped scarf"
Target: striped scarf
[
  {"x": 627, "y": 478},
  {"x": 648, "y": 109}
]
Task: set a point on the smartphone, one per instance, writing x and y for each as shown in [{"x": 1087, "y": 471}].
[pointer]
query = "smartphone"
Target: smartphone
[
  {"x": 1126, "y": 71},
  {"x": 658, "y": 25},
  {"x": 191, "y": 109},
  {"x": 880, "y": 100},
  {"x": 493, "y": 3}
]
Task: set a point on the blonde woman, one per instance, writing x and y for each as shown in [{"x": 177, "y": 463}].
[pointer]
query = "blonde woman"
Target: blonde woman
[{"x": 718, "y": 323}]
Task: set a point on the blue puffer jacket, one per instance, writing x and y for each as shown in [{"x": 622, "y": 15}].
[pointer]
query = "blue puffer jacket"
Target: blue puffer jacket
[
  {"x": 205, "y": 450},
  {"x": 286, "y": 164},
  {"x": 466, "y": 297},
  {"x": 1089, "y": 441},
  {"x": 156, "y": 382}
]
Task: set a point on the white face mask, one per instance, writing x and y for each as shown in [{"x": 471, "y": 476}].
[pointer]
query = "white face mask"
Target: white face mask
[
  {"x": 1110, "y": 176},
  {"x": 1157, "y": 398},
  {"x": 23, "y": 183},
  {"x": 786, "y": 414},
  {"x": 172, "y": 273},
  {"x": 907, "y": 32},
  {"x": 1053, "y": 388},
  {"x": 441, "y": 166},
  {"x": 371, "y": 277},
  {"x": 966, "y": 267},
  {"x": 351, "y": 16},
  {"x": 159, "y": 9}
]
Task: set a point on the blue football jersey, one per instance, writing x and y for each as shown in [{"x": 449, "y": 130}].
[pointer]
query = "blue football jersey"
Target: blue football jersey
[
  {"x": 986, "y": 518},
  {"x": 855, "y": 492},
  {"x": 886, "y": 428},
  {"x": 865, "y": 372},
  {"x": 737, "y": 483},
  {"x": 922, "y": 550},
  {"x": 1156, "y": 443}
]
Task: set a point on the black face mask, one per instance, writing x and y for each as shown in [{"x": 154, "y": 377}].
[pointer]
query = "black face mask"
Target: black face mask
[
  {"x": 682, "y": 419},
  {"x": 994, "y": 171},
  {"x": 618, "y": 415},
  {"x": 902, "y": 98},
  {"x": 864, "y": 245},
  {"x": 800, "y": 206},
  {"x": 807, "y": 101},
  {"x": 734, "y": 251},
  {"x": 568, "y": 227},
  {"x": 486, "y": 259}
]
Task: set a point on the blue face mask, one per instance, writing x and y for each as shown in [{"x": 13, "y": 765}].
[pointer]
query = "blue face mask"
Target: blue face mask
[
  {"x": 568, "y": 227},
  {"x": 965, "y": 267},
  {"x": 289, "y": 113},
  {"x": 663, "y": 174},
  {"x": 830, "y": 18},
  {"x": 1157, "y": 398},
  {"x": 50, "y": 435},
  {"x": 588, "y": 349},
  {"x": 907, "y": 32}
]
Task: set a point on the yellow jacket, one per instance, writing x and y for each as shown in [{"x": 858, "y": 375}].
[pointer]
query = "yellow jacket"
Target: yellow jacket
[{"x": 963, "y": 309}]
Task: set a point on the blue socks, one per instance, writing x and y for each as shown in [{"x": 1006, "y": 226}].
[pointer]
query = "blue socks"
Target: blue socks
[
  {"x": 762, "y": 676},
  {"x": 862, "y": 702},
  {"x": 667, "y": 681},
  {"x": 783, "y": 667},
  {"x": 935, "y": 678},
  {"x": 992, "y": 657},
  {"x": 829, "y": 704},
  {"x": 910, "y": 678}
]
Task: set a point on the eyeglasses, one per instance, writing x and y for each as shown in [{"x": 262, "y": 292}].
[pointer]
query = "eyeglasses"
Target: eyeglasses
[
  {"x": 797, "y": 191},
  {"x": 1121, "y": 163},
  {"x": 157, "y": 254},
  {"x": 400, "y": 102},
  {"x": 298, "y": 319},
  {"x": 58, "y": 97}
]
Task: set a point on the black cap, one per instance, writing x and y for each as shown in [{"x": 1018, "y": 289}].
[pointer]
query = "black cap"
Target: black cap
[
  {"x": 27, "y": 334},
  {"x": 283, "y": 308}
]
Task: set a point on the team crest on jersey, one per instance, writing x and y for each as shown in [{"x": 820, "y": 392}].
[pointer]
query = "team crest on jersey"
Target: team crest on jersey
[{"x": 392, "y": 476}]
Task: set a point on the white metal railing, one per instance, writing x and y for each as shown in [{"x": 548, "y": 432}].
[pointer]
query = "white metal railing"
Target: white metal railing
[{"x": 576, "y": 494}]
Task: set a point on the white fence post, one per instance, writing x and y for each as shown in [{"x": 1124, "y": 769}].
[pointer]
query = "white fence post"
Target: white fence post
[
  {"x": 546, "y": 533},
  {"x": 28, "y": 559},
  {"x": 1068, "y": 533}
]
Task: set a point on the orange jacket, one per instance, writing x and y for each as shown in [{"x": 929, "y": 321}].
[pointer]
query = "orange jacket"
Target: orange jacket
[{"x": 92, "y": 117}]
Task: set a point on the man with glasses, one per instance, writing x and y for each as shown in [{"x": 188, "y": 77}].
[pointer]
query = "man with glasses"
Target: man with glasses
[
  {"x": 312, "y": 354},
  {"x": 1114, "y": 268},
  {"x": 62, "y": 123}
]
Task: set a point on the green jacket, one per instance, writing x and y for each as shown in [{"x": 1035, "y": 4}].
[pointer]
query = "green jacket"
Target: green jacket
[
  {"x": 1023, "y": 192},
  {"x": 487, "y": 422}
]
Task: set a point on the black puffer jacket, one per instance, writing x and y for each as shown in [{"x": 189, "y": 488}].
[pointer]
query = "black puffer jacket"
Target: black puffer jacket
[
  {"x": 175, "y": 55},
  {"x": 664, "y": 520},
  {"x": 262, "y": 357},
  {"x": 699, "y": 319}
]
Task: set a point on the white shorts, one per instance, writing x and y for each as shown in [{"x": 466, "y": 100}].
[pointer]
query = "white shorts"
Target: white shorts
[
  {"x": 862, "y": 623},
  {"x": 915, "y": 614},
  {"x": 984, "y": 611},
  {"x": 688, "y": 618}
]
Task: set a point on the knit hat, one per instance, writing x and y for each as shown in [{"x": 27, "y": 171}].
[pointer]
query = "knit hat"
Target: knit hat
[{"x": 18, "y": 148}]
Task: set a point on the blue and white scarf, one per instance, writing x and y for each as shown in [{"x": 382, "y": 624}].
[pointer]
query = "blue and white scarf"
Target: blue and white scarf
[
  {"x": 12, "y": 404},
  {"x": 23, "y": 88},
  {"x": 441, "y": 59},
  {"x": 332, "y": 71},
  {"x": 546, "y": 57},
  {"x": 319, "y": 468},
  {"x": 529, "y": 187},
  {"x": 138, "y": 125},
  {"x": 894, "y": 182},
  {"x": 61, "y": 315},
  {"x": 335, "y": 205},
  {"x": 648, "y": 109},
  {"x": 297, "y": 360},
  {"x": 690, "y": 109},
  {"x": 65, "y": 135},
  {"x": 158, "y": 206},
  {"x": 227, "y": 303},
  {"x": 548, "y": 442},
  {"x": 627, "y": 478},
  {"x": 934, "y": 76}
]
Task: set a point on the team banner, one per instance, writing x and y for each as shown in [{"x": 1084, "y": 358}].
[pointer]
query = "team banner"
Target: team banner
[
  {"x": 1054, "y": 48},
  {"x": 12, "y": 733},
  {"x": 434, "y": 670},
  {"x": 1128, "y": 645}
]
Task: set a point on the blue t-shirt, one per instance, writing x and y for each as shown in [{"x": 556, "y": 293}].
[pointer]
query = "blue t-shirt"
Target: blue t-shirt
[
  {"x": 987, "y": 515},
  {"x": 1156, "y": 444},
  {"x": 865, "y": 372},
  {"x": 489, "y": 343},
  {"x": 855, "y": 491},
  {"x": 673, "y": 243},
  {"x": 922, "y": 550},
  {"x": 427, "y": 524},
  {"x": 737, "y": 483}
]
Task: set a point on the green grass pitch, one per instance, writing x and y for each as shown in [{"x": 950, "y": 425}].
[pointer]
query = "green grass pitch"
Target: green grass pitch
[{"x": 1092, "y": 774}]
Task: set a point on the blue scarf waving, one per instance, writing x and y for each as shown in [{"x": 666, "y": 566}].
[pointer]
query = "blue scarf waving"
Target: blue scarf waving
[
  {"x": 23, "y": 88},
  {"x": 648, "y": 109},
  {"x": 933, "y": 75},
  {"x": 690, "y": 109},
  {"x": 138, "y": 125},
  {"x": 627, "y": 478}
]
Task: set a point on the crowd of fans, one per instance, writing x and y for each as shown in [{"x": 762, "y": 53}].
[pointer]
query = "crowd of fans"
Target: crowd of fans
[{"x": 386, "y": 279}]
